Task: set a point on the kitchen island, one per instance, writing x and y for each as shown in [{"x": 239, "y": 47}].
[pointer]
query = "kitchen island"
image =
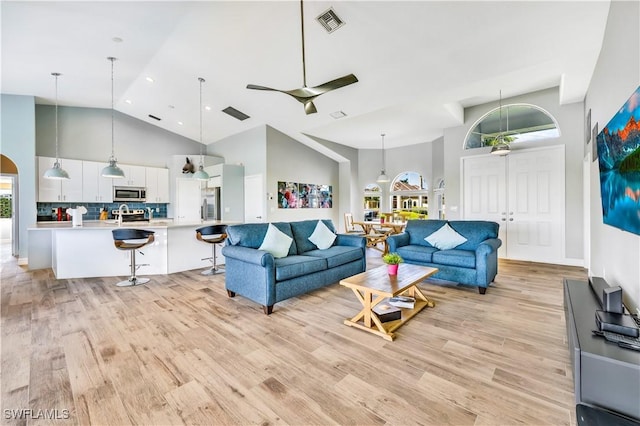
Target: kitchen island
[{"x": 88, "y": 251}]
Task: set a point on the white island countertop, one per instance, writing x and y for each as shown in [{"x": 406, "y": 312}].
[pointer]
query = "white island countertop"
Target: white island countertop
[
  {"x": 113, "y": 224},
  {"x": 89, "y": 251}
]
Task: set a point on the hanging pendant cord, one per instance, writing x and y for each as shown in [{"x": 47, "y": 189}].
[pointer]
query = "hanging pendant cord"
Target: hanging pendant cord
[
  {"x": 56, "y": 75},
  {"x": 383, "y": 165},
  {"x": 113, "y": 150},
  {"x": 201, "y": 80}
]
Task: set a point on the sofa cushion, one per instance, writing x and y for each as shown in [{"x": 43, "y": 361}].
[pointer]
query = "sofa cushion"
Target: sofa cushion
[
  {"x": 297, "y": 266},
  {"x": 276, "y": 242},
  {"x": 322, "y": 236},
  {"x": 445, "y": 238},
  {"x": 252, "y": 234},
  {"x": 463, "y": 258},
  {"x": 302, "y": 230},
  {"x": 475, "y": 231},
  {"x": 418, "y": 230},
  {"x": 337, "y": 255},
  {"x": 415, "y": 253}
]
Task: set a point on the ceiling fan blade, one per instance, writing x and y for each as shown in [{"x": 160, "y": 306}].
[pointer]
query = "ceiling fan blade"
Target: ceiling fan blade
[
  {"x": 256, "y": 87},
  {"x": 336, "y": 84},
  {"x": 310, "y": 108}
]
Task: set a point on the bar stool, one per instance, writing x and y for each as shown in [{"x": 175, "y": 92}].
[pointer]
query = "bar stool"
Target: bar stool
[
  {"x": 132, "y": 240},
  {"x": 215, "y": 234}
]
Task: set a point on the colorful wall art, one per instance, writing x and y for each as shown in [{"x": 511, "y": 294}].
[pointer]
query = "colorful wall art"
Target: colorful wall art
[{"x": 293, "y": 195}]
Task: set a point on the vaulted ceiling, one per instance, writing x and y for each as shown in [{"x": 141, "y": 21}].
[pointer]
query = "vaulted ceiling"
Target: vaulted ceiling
[{"x": 419, "y": 63}]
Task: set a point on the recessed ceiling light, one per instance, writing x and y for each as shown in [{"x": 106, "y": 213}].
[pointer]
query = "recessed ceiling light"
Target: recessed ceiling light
[
  {"x": 171, "y": 107},
  {"x": 180, "y": 123},
  {"x": 338, "y": 114},
  {"x": 149, "y": 79},
  {"x": 128, "y": 101},
  {"x": 208, "y": 108},
  {"x": 117, "y": 40}
]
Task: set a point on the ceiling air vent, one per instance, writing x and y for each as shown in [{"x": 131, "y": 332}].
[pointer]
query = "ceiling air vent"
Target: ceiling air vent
[
  {"x": 330, "y": 21},
  {"x": 235, "y": 113},
  {"x": 154, "y": 117}
]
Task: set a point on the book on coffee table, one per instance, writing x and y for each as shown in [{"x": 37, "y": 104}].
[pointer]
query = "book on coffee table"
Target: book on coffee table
[
  {"x": 402, "y": 302},
  {"x": 386, "y": 312}
]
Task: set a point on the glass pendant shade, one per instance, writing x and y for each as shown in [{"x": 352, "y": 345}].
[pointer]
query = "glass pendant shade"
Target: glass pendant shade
[
  {"x": 201, "y": 174},
  {"x": 383, "y": 177},
  {"x": 56, "y": 172},
  {"x": 112, "y": 170}
]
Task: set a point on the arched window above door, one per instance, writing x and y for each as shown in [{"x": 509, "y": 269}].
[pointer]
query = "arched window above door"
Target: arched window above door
[{"x": 520, "y": 123}]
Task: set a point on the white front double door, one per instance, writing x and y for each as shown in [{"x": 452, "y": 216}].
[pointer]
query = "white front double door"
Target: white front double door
[{"x": 524, "y": 193}]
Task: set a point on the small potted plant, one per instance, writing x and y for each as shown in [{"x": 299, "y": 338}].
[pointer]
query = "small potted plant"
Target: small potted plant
[{"x": 392, "y": 260}]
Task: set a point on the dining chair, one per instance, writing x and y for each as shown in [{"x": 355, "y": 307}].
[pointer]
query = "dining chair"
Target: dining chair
[{"x": 349, "y": 227}]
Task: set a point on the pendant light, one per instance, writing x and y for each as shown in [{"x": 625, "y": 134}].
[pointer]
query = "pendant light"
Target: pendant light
[
  {"x": 501, "y": 147},
  {"x": 112, "y": 170},
  {"x": 201, "y": 174},
  {"x": 56, "y": 172},
  {"x": 383, "y": 178}
]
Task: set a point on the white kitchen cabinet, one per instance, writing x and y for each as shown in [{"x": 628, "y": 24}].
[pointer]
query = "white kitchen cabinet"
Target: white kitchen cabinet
[
  {"x": 157, "y": 180},
  {"x": 188, "y": 200},
  {"x": 96, "y": 188},
  {"x": 65, "y": 190},
  {"x": 133, "y": 176}
]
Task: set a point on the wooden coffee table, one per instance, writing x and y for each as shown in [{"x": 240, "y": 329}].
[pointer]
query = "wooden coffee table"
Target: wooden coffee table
[{"x": 375, "y": 285}]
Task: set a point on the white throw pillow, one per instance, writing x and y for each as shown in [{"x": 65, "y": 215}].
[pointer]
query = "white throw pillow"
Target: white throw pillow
[
  {"x": 276, "y": 242},
  {"x": 322, "y": 236},
  {"x": 445, "y": 238}
]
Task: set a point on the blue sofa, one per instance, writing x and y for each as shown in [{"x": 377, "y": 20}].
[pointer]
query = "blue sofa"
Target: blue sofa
[
  {"x": 257, "y": 275},
  {"x": 472, "y": 263}
]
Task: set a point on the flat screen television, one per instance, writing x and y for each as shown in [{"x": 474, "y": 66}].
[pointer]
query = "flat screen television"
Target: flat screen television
[{"x": 619, "y": 159}]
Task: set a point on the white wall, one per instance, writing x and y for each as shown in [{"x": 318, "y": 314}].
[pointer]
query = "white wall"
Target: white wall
[
  {"x": 18, "y": 143},
  {"x": 248, "y": 148},
  {"x": 615, "y": 254},
  {"x": 571, "y": 122}
]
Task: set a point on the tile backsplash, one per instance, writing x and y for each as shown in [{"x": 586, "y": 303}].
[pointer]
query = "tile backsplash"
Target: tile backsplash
[{"x": 93, "y": 209}]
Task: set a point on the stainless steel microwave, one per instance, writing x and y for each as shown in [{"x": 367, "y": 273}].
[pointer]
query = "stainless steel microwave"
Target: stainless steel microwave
[{"x": 129, "y": 193}]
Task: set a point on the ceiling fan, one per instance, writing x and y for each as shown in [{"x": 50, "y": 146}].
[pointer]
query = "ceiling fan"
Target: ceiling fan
[{"x": 306, "y": 95}]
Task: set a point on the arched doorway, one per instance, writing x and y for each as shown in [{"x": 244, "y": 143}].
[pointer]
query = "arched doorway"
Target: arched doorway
[{"x": 8, "y": 207}]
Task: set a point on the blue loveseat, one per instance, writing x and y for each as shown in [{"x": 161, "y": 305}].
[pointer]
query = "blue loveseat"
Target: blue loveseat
[
  {"x": 259, "y": 276},
  {"x": 472, "y": 263}
]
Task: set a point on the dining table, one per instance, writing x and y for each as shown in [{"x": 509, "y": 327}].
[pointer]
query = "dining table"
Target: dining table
[{"x": 369, "y": 226}]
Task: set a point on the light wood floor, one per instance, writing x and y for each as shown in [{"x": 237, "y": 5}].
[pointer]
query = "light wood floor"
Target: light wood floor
[{"x": 179, "y": 351}]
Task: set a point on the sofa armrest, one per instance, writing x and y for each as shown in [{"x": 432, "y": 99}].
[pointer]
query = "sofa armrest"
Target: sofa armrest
[
  {"x": 249, "y": 255},
  {"x": 488, "y": 246},
  {"x": 397, "y": 240},
  {"x": 351, "y": 240}
]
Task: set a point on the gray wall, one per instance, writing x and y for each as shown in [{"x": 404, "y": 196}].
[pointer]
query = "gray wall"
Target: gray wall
[
  {"x": 85, "y": 134},
  {"x": 248, "y": 147},
  {"x": 614, "y": 254},
  {"x": 19, "y": 144},
  {"x": 570, "y": 119},
  {"x": 290, "y": 160}
]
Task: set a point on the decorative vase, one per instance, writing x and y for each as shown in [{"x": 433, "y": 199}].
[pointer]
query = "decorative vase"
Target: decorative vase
[{"x": 393, "y": 269}]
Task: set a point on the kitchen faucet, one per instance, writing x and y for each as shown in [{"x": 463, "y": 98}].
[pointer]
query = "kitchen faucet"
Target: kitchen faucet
[
  {"x": 120, "y": 213},
  {"x": 150, "y": 210}
]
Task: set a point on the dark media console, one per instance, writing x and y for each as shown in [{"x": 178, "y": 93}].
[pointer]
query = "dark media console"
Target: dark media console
[{"x": 605, "y": 375}]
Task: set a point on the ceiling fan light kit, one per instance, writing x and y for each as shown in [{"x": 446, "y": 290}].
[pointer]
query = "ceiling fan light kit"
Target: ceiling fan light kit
[
  {"x": 56, "y": 172},
  {"x": 306, "y": 95},
  {"x": 112, "y": 170}
]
